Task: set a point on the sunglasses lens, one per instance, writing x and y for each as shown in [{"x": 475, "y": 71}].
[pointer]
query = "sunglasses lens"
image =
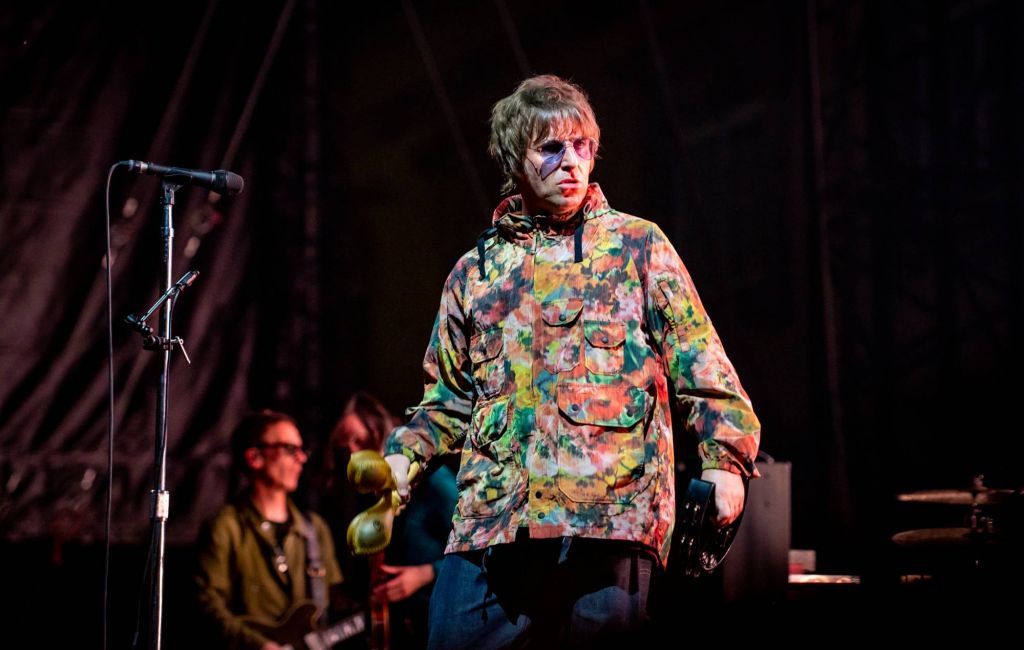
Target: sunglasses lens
[
  {"x": 554, "y": 150},
  {"x": 584, "y": 148}
]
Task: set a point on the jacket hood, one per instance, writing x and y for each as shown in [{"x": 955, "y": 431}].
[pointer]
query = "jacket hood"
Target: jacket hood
[
  {"x": 516, "y": 226},
  {"x": 513, "y": 223}
]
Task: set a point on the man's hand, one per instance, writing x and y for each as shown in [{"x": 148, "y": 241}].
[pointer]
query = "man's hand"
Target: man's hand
[
  {"x": 729, "y": 495},
  {"x": 400, "y": 470},
  {"x": 407, "y": 580}
]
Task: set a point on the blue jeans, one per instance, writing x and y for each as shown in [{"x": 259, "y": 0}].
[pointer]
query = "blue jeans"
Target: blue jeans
[{"x": 542, "y": 594}]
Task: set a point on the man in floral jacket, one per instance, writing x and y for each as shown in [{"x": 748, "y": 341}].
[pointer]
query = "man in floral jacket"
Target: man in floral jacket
[{"x": 561, "y": 340}]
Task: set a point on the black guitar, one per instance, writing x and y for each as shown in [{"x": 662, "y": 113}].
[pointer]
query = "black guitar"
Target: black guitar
[
  {"x": 702, "y": 544},
  {"x": 297, "y": 630}
]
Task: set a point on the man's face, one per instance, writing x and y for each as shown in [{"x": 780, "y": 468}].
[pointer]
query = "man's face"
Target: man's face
[
  {"x": 279, "y": 459},
  {"x": 556, "y": 172}
]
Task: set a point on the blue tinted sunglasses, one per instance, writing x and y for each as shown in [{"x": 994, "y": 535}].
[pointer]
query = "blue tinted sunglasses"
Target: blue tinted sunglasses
[{"x": 554, "y": 150}]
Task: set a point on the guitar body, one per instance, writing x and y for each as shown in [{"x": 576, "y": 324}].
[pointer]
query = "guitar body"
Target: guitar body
[
  {"x": 703, "y": 545},
  {"x": 297, "y": 629}
]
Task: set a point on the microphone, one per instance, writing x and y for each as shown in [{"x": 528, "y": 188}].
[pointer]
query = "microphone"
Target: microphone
[
  {"x": 219, "y": 180},
  {"x": 186, "y": 280}
]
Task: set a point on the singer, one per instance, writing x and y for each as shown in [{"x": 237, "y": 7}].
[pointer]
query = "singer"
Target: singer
[{"x": 561, "y": 339}]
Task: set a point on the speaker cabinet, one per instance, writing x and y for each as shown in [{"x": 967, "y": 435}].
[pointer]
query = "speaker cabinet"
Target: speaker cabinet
[{"x": 757, "y": 566}]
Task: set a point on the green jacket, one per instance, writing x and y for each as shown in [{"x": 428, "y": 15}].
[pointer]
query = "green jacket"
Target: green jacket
[
  {"x": 237, "y": 574},
  {"x": 555, "y": 355}
]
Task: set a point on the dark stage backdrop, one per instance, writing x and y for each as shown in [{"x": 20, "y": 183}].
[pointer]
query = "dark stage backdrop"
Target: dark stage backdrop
[{"x": 843, "y": 180}]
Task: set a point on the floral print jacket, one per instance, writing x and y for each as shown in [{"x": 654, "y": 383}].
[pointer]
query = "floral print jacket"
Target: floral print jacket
[{"x": 555, "y": 352}]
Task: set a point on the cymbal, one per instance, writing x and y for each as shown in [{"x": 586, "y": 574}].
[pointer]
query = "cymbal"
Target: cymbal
[
  {"x": 981, "y": 496},
  {"x": 944, "y": 537}
]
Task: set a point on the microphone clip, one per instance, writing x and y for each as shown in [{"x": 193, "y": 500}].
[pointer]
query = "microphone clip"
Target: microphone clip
[{"x": 139, "y": 324}]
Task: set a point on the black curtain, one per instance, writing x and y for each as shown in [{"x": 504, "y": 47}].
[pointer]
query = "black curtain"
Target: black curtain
[{"x": 365, "y": 162}]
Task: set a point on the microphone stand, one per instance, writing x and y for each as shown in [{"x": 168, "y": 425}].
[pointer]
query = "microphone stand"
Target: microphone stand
[{"x": 160, "y": 498}]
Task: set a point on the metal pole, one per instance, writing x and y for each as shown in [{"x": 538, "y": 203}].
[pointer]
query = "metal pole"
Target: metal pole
[{"x": 160, "y": 498}]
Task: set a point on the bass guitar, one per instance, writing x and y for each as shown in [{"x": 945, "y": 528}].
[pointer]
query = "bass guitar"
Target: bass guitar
[{"x": 297, "y": 629}]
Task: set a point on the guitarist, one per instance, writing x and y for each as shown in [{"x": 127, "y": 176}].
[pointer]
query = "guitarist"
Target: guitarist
[{"x": 260, "y": 557}]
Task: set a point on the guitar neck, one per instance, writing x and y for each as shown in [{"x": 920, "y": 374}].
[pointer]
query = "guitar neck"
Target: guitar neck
[
  {"x": 334, "y": 634},
  {"x": 296, "y": 630},
  {"x": 380, "y": 625}
]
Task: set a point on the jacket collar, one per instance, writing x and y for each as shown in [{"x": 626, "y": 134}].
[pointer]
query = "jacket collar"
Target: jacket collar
[
  {"x": 515, "y": 225},
  {"x": 297, "y": 519}
]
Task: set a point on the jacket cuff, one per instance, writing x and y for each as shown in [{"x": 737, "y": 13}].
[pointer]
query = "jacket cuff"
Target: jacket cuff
[
  {"x": 403, "y": 441},
  {"x": 717, "y": 456}
]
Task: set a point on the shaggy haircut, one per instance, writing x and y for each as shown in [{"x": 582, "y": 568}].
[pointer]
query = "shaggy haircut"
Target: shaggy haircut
[{"x": 540, "y": 106}]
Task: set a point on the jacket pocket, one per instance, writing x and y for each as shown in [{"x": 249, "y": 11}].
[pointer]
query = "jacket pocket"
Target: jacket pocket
[
  {"x": 606, "y": 343},
  {"x": 488, "y": 363},
  {"x": 488, "y": 472},
  {"x": 682, "y": 310},
  {"x": 560, "y": 336},
  {"x": 489, "y": 422},
  {"x": 601, "y": 450}
]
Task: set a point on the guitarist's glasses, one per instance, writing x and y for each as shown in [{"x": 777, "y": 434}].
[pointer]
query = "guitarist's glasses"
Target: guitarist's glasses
[{"x": 286, "y": 447}]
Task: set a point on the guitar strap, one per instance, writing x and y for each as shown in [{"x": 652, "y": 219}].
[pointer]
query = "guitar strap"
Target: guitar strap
[{"x": 315, "y": 570}]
